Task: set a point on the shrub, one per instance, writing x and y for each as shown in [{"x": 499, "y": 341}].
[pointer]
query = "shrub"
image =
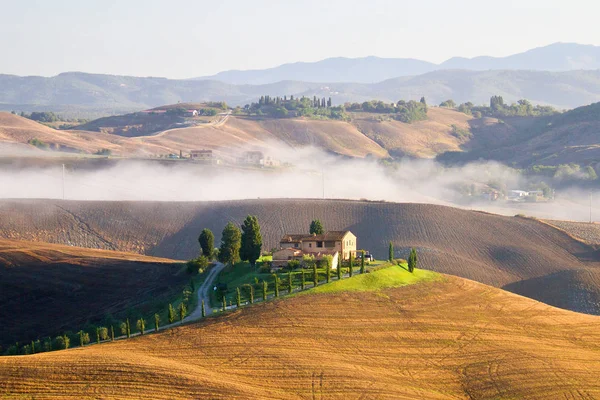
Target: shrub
[{"x": 293, "y": 264}]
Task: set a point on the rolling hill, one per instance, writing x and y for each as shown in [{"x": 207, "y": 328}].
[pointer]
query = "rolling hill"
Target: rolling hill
[
  {"x": 83, "y": 95},
  {"x": 357, "y": 138},
  {"x": 48, "y": 288},
  {"x": 488, "y": 248},
  {"x": 569, "y": 137},
  {"x": 446, "y": 339}
]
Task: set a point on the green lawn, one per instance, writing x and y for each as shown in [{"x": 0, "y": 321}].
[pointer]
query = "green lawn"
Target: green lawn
[
  {"x": 393, "y": 276},
  {"x": 241, "y": 275}
]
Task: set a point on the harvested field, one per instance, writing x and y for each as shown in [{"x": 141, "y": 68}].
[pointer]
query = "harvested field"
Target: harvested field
[
  {"x": 584, "y": 231},
  {"x": 424, "y": 139},
  {"x": 46, "y": 288},
  {"x": 438, "y": 340},
  {"x": 491, "y": 249}
]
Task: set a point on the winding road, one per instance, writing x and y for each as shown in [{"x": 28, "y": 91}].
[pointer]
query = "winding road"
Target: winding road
[{"x": 204, "y": 293}]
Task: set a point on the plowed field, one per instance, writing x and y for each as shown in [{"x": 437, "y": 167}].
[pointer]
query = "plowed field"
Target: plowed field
[
  {"x": 491, "y": 249},
  {"x": 45, "y": 289},
  {"x": 438, "y": 340}
]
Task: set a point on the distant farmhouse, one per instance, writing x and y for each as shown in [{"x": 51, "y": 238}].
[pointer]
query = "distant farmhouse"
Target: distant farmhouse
[
  {"x": 334, "y": 243},
  {"x": 258, "y": 158},
  {"x": 205, "y": 156}
]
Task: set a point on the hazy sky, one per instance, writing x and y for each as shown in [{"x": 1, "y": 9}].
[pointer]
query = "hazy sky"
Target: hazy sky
[{"x": 181, "y": 39}]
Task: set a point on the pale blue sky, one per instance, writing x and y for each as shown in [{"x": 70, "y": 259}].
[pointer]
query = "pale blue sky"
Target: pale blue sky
[{"x": 180, "y": 39}]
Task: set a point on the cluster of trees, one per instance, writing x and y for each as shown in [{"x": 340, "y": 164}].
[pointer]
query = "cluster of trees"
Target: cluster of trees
[
  {"x": 405, "y": 111},
  {"x": 38, "y": 143},
  {"x": 237, "y": 244},
  {"x": 281, "y": 107},
  {"x": 498, "y": 108}
]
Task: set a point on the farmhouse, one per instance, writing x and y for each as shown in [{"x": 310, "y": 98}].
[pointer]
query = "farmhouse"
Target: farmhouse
[
  {"x": 202, "y": 155},
  {"x": 334, "y": 243}
]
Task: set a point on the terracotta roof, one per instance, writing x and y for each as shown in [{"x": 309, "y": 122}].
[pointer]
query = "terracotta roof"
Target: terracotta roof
[{"x": 327, "y": 236}]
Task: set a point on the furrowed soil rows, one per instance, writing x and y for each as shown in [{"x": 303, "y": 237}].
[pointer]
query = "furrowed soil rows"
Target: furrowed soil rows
[
  {"x": 46, "y": 289},
  {"x": 437, "y": 340},
  {"x": 488, "y": 248}
]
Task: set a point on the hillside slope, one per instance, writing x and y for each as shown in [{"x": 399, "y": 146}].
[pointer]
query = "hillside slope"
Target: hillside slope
[
  {"x": 488, "y": 248},
  {"x": 48, "y": 288},
  {"x": 112, "y": 95},
  {"x": 439, "y": 340}
]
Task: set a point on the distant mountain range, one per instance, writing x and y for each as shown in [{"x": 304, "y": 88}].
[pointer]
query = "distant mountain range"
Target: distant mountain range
[
  {"x": 555, "y": 57},
  {"x": 561, "y": 75}
]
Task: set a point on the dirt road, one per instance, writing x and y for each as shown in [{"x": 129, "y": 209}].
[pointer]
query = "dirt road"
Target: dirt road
[{"x": 204, "y": 293}]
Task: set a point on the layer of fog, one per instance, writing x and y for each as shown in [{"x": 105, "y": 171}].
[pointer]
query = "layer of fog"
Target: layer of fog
[{"x": 309, "y": 173}]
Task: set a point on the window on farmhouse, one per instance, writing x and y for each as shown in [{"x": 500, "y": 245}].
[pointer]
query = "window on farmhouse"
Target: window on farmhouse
[{"x": 329, "y": 244}]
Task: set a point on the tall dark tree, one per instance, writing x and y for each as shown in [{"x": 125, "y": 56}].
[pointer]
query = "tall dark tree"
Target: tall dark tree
[
  {"x": 362, "y": 262},
  {"x": 412, "y": 260},
  {"x": 128, "y": 326},
  {"x": 316, "y": 227},
  {"x": 329, "y": 102},
  {"x": 315, "y": 275},
  {"x": 231, "y": 241},
  {"x": 112, "y": 333},
  {"x": 339, "y": 267},
  {"x": 156, "y": 322},
  {"x": 391, "y": 252},
  {"x": 276, "y": 282},
  {"x": 303, "y": 281},
  {"x": 207, "y": 243},
  {"x": 251, "y": 240},
  {"x": 351, "y": 266}
]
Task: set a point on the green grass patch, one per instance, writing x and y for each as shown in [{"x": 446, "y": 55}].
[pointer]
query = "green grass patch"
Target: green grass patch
[{"x": 394, "y": 276}]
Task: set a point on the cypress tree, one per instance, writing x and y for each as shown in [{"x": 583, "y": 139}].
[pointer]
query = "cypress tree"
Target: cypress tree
[
  {"x": 171, "y": 314},
  {"x": 276, "y": 285},
  {"x": 141, "y": 325},
  {"x": 251, "y": 240},
  {"x": 315, "y": 275},
  {"x": 224, "y": 303},
  {"x": 339, "y": 267},
  {"x": 251, "y": 293},
  {"x": 128, "y": 328},
  {"x": 231, "y": 241},
  {"x": 290, "y": 282},
  {"x": 81, "y": 338},
  {"x": 207, "y": 243},
  {"x": 303, "y": 284},
  {"x": 182, "y": 311},
  {"x": 328, "y": 270},
  {"x": 156, "y": 322},
  {"x": 32, "y": 347},
  {"x": 350, "y": 267},
  {"x": 362, "y": 262},
  {"x": 316, "y": 227},
  {"x": 112, "y": 333},
  {"x": 238, "y": 297},
  {"x": 265, "y": 288},
  {"x": 203, "y": 309},
  {"x": 391, "y": 253}
]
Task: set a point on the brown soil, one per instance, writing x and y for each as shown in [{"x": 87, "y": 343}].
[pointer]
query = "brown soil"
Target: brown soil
[
  {"x": 48, "y": 288},
  {"x": 441, "y": 340},
  {"x": 488, "y": 248}
]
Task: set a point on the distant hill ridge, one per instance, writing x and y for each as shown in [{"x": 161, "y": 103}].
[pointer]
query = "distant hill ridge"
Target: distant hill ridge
[
  {"x": 561, "y": 75},
  {"x": 554, "y": 57}
]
